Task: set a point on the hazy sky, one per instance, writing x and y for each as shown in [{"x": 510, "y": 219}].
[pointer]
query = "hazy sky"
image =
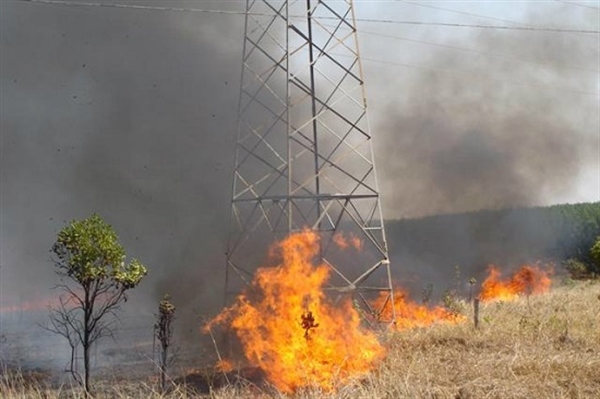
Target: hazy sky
[{"x": 131, "y": 113}]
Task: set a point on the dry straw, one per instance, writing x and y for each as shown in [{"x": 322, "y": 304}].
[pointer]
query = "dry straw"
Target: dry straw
[{"x": 545, "y": 346}]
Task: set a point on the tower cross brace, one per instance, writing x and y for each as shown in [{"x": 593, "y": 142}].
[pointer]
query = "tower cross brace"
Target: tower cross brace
[{"x": 304, "y": 155}]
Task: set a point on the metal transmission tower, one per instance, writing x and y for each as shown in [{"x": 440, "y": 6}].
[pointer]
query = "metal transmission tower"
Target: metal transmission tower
[{"x": 304, "y": 157}]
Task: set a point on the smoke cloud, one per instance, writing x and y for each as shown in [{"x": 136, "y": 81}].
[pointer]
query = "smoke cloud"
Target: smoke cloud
[
  {"x": 514, "y": 123},
  {"x": 131, "y": 114}
]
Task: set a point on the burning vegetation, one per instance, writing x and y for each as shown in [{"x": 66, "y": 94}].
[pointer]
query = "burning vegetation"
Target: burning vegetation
[
  {"x": 528, "y": 280},
  {"x": 296, "y": 338},
  {"x": 410, "y": 314},
  {"x": 289, "y": 328}
]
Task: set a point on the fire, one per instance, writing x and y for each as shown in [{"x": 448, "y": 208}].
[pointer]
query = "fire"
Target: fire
[
  {"x": 410, "y": 314},
  {"x": 345, "y": 242},
  {"x": 289, "y": 328},
  {"x": 224, "y": 366},
  {"x": 527, "y": 280}
]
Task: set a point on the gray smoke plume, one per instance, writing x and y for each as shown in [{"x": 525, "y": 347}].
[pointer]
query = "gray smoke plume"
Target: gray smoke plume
[
  {"x": 131, "y": 114},
  {"x": 513, "y": 124}
]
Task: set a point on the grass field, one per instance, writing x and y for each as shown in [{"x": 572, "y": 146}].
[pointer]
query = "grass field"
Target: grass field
[{"x": 545, "y": 346}]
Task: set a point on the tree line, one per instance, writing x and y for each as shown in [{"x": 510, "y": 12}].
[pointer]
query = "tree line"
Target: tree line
[{"x": 556, "y": 234}]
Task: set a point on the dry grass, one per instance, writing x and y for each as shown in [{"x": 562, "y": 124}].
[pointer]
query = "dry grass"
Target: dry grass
[{"x": 539, "y": 347}]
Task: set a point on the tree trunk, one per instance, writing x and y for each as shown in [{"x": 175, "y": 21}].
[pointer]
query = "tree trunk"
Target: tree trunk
[
  {"x": 86, "y": 368},
  {"x": 163, "y": 369},
  {"x": 87, "y": 320}
]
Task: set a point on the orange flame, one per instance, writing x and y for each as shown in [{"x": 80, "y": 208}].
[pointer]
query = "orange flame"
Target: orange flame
[
  {"x": 289, "y": 329},
  {"x": 224, "y": 366},
  {"x": 410, "y": 314},
  {"x": 525, "y": 281},
  {"x": 345, "y": 242}
]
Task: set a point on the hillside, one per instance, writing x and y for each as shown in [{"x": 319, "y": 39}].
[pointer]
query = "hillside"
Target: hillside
[{"x": 426, "y": 250}]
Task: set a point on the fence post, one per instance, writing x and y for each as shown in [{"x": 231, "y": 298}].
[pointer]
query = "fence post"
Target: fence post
[{"x": 476, "y": 312}]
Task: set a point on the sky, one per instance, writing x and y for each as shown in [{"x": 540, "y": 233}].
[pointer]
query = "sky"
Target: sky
[{"x": 131, "y": 113}]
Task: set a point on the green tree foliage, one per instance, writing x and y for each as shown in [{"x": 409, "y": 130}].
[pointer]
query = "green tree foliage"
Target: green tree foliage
[
  {"x": 507, "y": 237},
  {"x": 595, "y": 255},
  {"x": 94, "y": 282},
  {"x": 578, "y": 225}
]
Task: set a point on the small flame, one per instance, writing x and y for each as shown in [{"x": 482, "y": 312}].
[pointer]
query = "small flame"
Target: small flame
[
  {"x": 528, "y": 280},
  {"x": 345, "y": 242},
  {"x": 224, "y": 366},
  {"x": 289, "y": 328},
  {"x": 410, "y": 314}
]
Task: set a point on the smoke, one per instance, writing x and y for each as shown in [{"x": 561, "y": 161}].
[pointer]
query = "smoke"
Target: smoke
[
  {"x": 513, "y": 124},
  {"x": 129, "y": 114}
]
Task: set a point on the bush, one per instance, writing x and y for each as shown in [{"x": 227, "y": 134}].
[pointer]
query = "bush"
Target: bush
[
  {"x": 577, "y": 269},
  {"x": 587, "y": 266},
  {"x": 595, "y": 256}
]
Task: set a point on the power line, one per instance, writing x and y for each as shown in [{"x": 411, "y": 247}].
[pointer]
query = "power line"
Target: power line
[
  {"x": 470, "y": 75},
  {"x": 457, "y": 25},
  {"x": 135, "y": 7},
  {"x": 419, "y": 4},
  {"x": 367, "y": 20},
  {"x": 471, "y": 50},
  {"x": 573, "y": 3}
]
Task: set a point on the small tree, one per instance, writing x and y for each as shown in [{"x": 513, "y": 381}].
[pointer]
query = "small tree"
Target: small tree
[
  {"x": 163, "y": 332},
  {"x": 94, "y": 282}
]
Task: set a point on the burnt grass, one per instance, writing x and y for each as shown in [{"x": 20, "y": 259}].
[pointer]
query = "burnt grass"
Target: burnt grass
[{"x": 203, "y": 382}]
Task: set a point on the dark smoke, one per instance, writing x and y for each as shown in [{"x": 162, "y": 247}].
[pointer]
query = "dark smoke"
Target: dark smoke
[
  {"x": 474, "y": 131},
  {"x": 131, "y": 114},
  {"x": 467, "y": 131}
]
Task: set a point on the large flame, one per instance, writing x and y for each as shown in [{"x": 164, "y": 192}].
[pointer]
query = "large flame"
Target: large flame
[
  {"x": 289, "y": 329},
  {"x": 410, "y": 314},
  {"x": 525, "y": 281}
]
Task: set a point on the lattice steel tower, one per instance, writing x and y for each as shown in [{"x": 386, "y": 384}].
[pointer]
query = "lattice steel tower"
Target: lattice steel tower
[{"x": 304, "y": 156}]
